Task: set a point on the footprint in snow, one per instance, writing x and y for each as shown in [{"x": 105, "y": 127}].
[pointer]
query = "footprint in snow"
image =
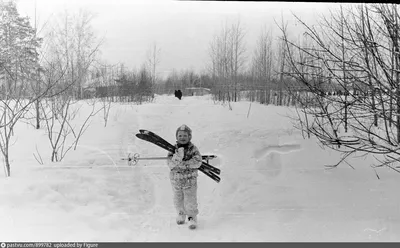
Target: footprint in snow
[
  {"x": 286, "y": 148},
  {"x": 268, "y": 159},
  {"x": 270, "y": 166}
]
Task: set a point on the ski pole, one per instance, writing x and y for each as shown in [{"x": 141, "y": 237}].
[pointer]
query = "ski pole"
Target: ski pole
[{"x": 133, "y": 160}]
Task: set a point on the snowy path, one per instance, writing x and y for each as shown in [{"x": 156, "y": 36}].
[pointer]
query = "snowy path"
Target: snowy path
[
  {"x": 220, "y": 205},
  {"x": 274, "y": 186}
]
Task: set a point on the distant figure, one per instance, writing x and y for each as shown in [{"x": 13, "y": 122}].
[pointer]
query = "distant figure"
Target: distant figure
[
  {"x": 176, "y": 93},
  {"x": 179, "y": 94}
]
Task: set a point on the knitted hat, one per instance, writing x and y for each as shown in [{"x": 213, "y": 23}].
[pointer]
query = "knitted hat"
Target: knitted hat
[{"x": 185, "y": 129}]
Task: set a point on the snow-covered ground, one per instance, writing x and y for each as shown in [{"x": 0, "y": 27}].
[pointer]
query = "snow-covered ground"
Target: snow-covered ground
[{"x": 274, "y": 184}]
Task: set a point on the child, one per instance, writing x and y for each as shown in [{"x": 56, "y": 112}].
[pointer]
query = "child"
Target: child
[{"x": 184, "y": 164}]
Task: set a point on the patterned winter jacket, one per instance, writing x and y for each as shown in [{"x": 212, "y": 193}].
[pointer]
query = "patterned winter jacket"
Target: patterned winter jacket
[{"x": 189, "y": 165}]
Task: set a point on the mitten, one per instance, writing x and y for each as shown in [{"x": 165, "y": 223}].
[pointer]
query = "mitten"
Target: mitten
[{"x": 178, "y": 156}]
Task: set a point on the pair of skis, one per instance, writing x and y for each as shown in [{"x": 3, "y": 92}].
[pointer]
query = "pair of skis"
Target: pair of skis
[{"x": 209, "y": 170}]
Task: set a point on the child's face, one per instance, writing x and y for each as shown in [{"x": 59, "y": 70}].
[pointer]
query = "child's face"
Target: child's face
[{"x": 182, "y": 137}]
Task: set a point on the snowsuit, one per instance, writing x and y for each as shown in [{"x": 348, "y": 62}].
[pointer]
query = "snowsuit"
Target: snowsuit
[{"x": 183, "y": 177}]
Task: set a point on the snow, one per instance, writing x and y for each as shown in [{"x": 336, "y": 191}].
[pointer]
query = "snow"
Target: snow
[{"x": 274, "y": 187}]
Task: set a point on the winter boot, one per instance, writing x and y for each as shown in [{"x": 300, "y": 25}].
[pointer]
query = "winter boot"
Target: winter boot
[
  {"x": 180, "y": 219},
  {"x": 192, "y": 222}
]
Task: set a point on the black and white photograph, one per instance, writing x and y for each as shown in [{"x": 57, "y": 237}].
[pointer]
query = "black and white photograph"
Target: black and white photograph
[{"x": 198, "y": 121}]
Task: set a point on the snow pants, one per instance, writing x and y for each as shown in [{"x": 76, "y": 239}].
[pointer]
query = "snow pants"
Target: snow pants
[{"x": 185, "y": 196}]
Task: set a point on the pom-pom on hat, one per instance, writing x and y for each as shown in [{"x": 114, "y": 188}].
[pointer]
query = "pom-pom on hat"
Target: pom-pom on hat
[{"x": 184, "y": 128}]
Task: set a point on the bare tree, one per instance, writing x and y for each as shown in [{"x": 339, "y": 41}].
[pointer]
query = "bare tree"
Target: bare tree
[
  {"x": 105, "y": 78},
  {"x": 154, "y": 61},
  {"x": 172, "y": 81},
  {"x": 63, "y": 132},
  {"x": 219, "y": 55},
  {"x": 72, "y": 49},
  {"x": 237, "y": 54},
  {"x": 227, "y": 55},
  {"x": 261, "y": 66},
  {"x": 73, "y": 44},
  {"x": 356, "y": 51},
  {"x": 262, "y": 57},
  {"x": 144, "y": 85}
]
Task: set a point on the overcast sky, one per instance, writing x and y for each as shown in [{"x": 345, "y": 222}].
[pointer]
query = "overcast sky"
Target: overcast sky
[{"x": 182, "y": 30}]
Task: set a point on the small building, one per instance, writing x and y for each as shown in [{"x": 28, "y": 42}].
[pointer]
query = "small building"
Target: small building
[{"x": 196, "y": 91}]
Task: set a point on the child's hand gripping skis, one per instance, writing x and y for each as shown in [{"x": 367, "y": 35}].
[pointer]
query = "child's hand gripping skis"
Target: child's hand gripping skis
[{"x": 177, "y": 158}]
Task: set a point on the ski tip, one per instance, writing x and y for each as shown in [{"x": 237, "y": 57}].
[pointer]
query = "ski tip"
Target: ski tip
[{"x": 142, "y": 131}]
